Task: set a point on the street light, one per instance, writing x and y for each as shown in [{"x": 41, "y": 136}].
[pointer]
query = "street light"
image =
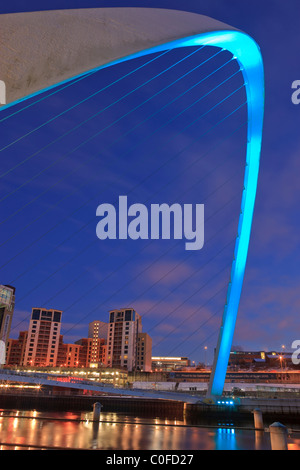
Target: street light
[
  {"x": 205, "y": 349},
  {"x": 282, "y": 357}
]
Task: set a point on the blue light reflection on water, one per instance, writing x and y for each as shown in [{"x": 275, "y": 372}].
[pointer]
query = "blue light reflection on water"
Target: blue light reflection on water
[{"x": 226, "y": 439}]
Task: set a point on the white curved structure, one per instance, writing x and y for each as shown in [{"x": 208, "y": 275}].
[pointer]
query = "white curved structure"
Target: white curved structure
[{"x": 42, "y": 49}]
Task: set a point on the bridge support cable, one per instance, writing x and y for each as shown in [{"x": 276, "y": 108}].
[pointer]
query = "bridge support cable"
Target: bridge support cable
[{"x": 189, "y": 125}]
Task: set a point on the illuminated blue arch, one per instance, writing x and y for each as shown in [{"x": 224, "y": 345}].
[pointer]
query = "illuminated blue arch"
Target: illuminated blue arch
[{"x": 247, "y": 53}]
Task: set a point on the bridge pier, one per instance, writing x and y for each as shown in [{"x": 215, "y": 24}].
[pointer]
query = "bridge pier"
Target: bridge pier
[
  {"x": 278, "y": 436},
  {"x": 258, "y": 419},
  {"x": 97, "y": 411}
]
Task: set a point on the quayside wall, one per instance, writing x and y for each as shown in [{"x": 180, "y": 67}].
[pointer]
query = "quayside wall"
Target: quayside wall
[{"x": 139, "y": 406}]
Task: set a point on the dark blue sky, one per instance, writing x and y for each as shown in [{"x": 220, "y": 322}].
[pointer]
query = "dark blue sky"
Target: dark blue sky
[{"x": 44, "y": 249}]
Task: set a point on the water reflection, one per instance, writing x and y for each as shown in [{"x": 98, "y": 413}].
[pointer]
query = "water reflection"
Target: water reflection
[
  {"x": 27, "y": 429},
  {"x": 260, "y": 440}
]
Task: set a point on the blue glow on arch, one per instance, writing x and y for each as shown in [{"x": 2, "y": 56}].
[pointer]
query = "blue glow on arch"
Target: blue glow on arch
[{"x": 247, "y": 53}]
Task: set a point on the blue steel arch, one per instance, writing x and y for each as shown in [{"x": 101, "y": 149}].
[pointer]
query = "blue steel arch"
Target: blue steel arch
[{"x": 247, "y": 53}]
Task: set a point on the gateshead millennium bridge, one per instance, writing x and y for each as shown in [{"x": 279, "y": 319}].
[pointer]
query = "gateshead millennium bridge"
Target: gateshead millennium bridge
[{"x": 41, "y": 50}]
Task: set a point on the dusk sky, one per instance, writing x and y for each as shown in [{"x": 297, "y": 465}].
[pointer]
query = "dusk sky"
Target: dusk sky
[{"x": 51, "y": 185}]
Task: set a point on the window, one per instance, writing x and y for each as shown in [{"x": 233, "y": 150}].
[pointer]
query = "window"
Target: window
[
  {"x": 57, "y": 317},
  {"x": 46, "y": 315},
  {"x": 128, "y": 315},
  {"x": 35, "y": 314}
]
